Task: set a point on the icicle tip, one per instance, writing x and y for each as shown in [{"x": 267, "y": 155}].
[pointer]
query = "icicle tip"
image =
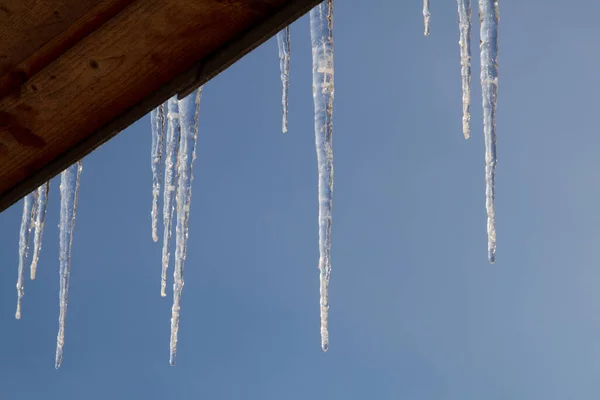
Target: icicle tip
[
  {"x": 466, "y": 128},
  {"x": 426, "y": 16},
  {"x": 492, "y": 255}
]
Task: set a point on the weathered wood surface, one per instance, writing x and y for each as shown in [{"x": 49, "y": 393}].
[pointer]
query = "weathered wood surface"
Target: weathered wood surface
[
  {"x": 27, "y": 25},
  {"x": 69, "y": 84}
]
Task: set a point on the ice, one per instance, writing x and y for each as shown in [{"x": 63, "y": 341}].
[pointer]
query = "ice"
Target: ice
[
  {"x": 69, "y": 192},
  {"x": 24, "y": 235},
  {"x": 464, "y": 25},
  {"x": 171, "y": 157},
  {"x": 321, "y": 34},
  {"x": 189, "y": 108},
  {"x": 157, "y": 119},
  {"x": 426, "y": 16},
  {"x": 32, "y": 223},
  {"x": 40, "y": 218},
  {"x": 489, "y": 18},
  {"x": 283, "y": 43}
]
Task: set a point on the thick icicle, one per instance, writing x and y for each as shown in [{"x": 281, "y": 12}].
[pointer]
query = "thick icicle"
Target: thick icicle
[
  {"x": 171, "y": 156},
  {"x": 489, "y": 18},
  {"x": 24, "y": 236},
  {"x": 40, "y": 218},
  {"x": 69, "y": 192},
  {"x": 426, "y": 16},
  {"x": 283, "y": 43},
  {"x": 189, "y": 108},
  {"x": 464, "y": 26},
  {"x": 157, "y": 119},
  {"x": 321, "y": 34}
]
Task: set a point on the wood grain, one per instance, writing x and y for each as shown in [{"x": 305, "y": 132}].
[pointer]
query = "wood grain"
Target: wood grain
[{"x": 27, "y": 25}]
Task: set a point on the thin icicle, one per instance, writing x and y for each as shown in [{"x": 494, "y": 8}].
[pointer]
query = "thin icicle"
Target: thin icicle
[
  {"x": 464, "y": 25},
  {"x": 69, "y": 192},
  {"x": 40, "y": 218},
  {"x": 24, "y": 236},
  {"x": 171, "y": 157},
  {"x": 321, "y": 35},
  {"x": 189, "y": 108},
  {"x": 489, "y": 18},
  {"x": 283, "y": 43},
  {"x": 426, "y": 16},
  {"x": 157, "y": 119}
]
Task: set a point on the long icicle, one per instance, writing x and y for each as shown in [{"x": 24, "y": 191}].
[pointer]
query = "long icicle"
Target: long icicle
[
  {"x": 489, "y": 18},
  {"x": 157, "y": 119},
  {"x": 69, "y": 193},
  {"x": 283, "y": 44},
  {"x": 171, "y": 156},
  {"x": 321, "y": 35},
  {"x": 464, "y": 26},
  {"x": 426, "y": 16},
  {"x": 24, "y": 236},
  {"x": 40, "y": 218},
  {"x": 189, "y": 109}
]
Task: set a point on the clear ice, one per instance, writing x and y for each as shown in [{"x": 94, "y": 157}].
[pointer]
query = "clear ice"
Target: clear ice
[
  {"x": 38, "y": 228},
  {"x": 69, "y": 192},
  {"x": 464, "y": 26},
  {"x": 321, "y": 35},
  {"x": 426, "y": 16},
  {"x": 189, "y": 108},
  {"x": 171, "y": 157},
  {"x": 157, "y": 119},
  {"x": 283, "y": 44},
  {"x": 27, "y": 221},
  {"x": 489, "y": 17}
]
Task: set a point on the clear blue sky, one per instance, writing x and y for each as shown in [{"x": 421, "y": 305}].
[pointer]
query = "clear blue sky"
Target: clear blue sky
[{"x": 416, "y": 310}]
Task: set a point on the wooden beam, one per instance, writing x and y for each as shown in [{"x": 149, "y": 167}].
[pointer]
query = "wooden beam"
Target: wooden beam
[
  {"x": 101, "y": 79},
  {"x": 39, "y": 46},
  {"x": 26, "y": 26}
]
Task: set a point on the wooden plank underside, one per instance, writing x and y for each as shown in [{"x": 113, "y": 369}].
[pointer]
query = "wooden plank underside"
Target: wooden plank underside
[
  {"x": 26, "y": 26},
  {"x": 108, "y": 67}
]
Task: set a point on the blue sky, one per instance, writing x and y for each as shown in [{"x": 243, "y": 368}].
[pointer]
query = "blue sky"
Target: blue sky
[{"x": 416, "y": 310}]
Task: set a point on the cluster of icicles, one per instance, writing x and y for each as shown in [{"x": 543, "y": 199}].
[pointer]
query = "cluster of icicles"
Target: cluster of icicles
[
  {"x": 174, "y": 138},
  {"x": 489, "y": 17},
  {"x": 32, "y": 225}
]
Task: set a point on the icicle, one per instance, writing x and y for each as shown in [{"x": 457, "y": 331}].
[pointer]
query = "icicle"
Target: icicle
[
  {"x": 171, "y": 156},
  {"x": 464, "y": 25},
  {"x": 489, "y": 18},
  {"x": 426, "y": 16},
  {"x": 40, "y": 218},
  {"x": 157, "y": 119},
  {"x": 69, "y": 192},
  {"x": 189, "y": 108},
  {"x": 321, "y": 35},
  {"x": 283, "y": 43},
  {"x": 24, "y": 236}
]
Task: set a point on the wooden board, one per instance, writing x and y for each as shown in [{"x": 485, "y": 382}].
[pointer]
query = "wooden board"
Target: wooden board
[{"x": 69, "y": 84}]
